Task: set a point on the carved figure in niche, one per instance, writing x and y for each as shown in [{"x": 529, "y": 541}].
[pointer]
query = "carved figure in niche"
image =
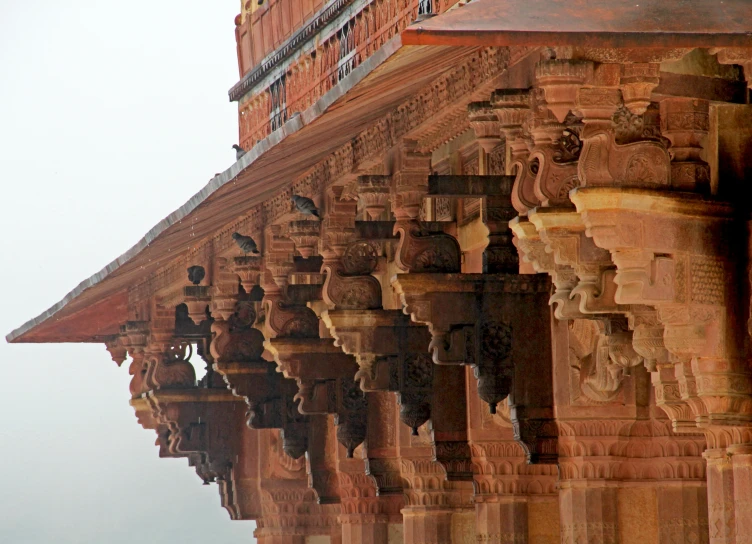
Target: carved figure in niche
[{"x": 600, "y": 355}]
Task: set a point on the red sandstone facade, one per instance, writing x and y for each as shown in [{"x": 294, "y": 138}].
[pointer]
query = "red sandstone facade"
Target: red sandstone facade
[{"x": 523, "y": 314}]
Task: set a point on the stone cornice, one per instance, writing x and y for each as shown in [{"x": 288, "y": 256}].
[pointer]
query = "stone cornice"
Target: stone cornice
[{"x": 471, "y": 71}]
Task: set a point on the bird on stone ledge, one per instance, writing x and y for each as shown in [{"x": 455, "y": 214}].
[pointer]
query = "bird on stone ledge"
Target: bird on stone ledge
[
  {"x": 245, "y": 243},
  {"x": 239, "y": 151},
  {"x": 196, "y": 274},
  {"x": 305, "y": 205}
]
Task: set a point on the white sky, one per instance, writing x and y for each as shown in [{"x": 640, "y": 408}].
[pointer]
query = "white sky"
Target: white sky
[{"x": 112, "y": 114}]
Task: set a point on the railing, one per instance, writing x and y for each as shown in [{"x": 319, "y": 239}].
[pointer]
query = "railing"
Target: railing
[{"x": 311, "y": 75}]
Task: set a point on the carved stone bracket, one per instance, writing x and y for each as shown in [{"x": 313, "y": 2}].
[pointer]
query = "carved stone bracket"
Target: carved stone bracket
[
  {"x": 198, "y": 425},
  {"x": 279, "y": 256},
  {"x": 349, "y": 284},
  {"x": 605, "y": 162},
  {"x": 305, "y": 234},
  {"x": 249, "y": 269},
  {"x": 117, "y": 349},
  {"x": 420, "y": 250},
  {"x": 373, "y": 192},
  {"x": 685, "y": 121},
  {"x": 392, "y": 355},
  {"x": 688, "y": 276},
  {"x": 562, "y": 231},
  {"x": 500, "y": 326},
  {"x": 288, "y": 320},
  {"x": 500, "y": 254},
  {"x": 225, "y": 289},
  {"x": 513, "y": 110},
  {"x": 560, "y": 79}
]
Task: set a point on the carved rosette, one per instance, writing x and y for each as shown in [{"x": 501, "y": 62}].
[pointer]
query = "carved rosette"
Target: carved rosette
[{"x": 373, "y": 192}]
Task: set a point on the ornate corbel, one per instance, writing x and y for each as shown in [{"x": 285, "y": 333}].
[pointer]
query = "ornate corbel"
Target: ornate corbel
[
  {"x": 676, "y": 254},
  {"x": 201, "y": 421},
  {"x": 225, "y": 290},
  {"x": 419, "y": 250},
  {"x": 391, "y": 355},
  {"x": 535, "y": 251},
  {"x": 562, "y": 231},
  {"x": 288, "y": 320},
  {"x": 373, "y": 192},
  {"x": 513, "y": 110},
  {"x": 496, "y": 212},
  {"x": 167, "y": 357},
  {"x": 560, "y": 79},
  {"x": 556, "y": 150},
  {"x": 325, "y": 378},
  {"x": 483, "y": 330},
  {"x": 685, "y": 121},
  {"x": 348, "y": 263},
  {"x": 736, "y": 55},
  {"x": 603, "y": 161},
  {"x": 134, "y": 336},
  {"x": 637, "y": 81},
  {"x": 249, "y": 269},
  {"x": 279, "y": 256},
  {"x": 485, "y": 124},
  {"x": 305, "y": 234},
  {"x": 117, "y": 349}
]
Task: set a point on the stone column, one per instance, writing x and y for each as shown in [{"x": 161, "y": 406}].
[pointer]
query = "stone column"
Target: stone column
[
  {"x": 720, "y": 497},
  {"x": 588, "y": 511},
  {"x": 682, "y": 513}
]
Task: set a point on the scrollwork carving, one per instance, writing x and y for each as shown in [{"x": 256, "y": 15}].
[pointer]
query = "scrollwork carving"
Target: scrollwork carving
[{"x": 423, "y": 251}]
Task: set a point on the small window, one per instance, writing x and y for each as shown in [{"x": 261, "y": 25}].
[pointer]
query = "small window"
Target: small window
[
  {"x": 278, "y": 112},
  {"x": 346, "y": 61},
  {"x": 425, "y": 7}
]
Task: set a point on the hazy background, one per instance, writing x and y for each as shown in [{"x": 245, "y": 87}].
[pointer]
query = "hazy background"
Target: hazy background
[{"x": 112, "y": 114}]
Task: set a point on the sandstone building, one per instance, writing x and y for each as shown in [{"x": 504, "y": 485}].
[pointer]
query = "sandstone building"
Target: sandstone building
[{"x": 523, "y": 315}]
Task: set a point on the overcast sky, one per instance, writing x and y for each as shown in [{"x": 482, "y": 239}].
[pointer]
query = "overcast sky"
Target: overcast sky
[{"x": 112, "y": 114}]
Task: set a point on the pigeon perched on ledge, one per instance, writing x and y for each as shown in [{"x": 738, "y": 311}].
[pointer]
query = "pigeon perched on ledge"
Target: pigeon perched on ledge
[
  {"x": 305, "y": 205},
  {"x": 196, "y": 274},
  {"x": 239, "y": 151},
  {"x": 245, "y": 243}
]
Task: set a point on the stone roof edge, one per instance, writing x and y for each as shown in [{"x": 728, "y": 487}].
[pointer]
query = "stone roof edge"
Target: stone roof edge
[{"x": 290, "y": 127}]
